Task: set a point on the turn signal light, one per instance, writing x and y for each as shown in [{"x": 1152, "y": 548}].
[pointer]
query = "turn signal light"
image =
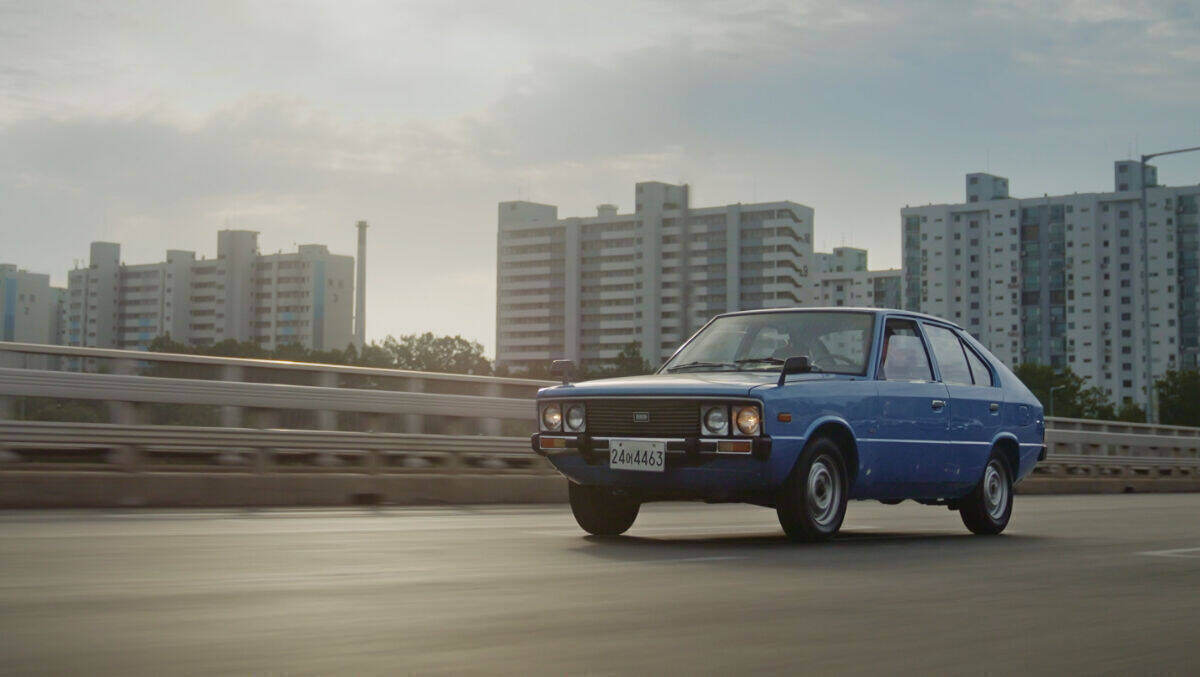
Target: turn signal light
[{"x": 735, "y": 446}]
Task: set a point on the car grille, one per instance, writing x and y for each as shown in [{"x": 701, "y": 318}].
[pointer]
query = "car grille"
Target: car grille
[{"x": 643, "y": 418}]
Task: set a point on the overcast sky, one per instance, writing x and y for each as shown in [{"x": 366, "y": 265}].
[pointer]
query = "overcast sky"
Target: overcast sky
[{"x": 155, "y": 124}]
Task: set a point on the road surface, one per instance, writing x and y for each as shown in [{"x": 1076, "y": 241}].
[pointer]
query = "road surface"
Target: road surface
[{"x": 1079, "y": 584}]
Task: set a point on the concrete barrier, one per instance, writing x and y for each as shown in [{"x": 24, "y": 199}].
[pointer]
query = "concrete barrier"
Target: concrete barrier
[
  {"x": 181, "y": 490},
  {"x": 1101, "y": 485}
]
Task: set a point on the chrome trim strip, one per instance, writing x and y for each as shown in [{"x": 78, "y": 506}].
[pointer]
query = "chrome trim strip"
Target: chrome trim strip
[
  {"x": 560, "y": 450},
  {"x": 988, "y": 444},
  {"x": 892, "y": 441},
  {"x": 706, "y": 398}
]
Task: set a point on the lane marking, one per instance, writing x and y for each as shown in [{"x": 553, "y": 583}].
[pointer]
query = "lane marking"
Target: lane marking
[{"x": 1180, "y": 552}]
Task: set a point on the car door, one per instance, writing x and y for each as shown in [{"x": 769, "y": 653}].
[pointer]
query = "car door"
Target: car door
[
  {"x": 986, "y": 405},
  {"x": 912, "y": 413},
  {"x": 974, "y": 407}
]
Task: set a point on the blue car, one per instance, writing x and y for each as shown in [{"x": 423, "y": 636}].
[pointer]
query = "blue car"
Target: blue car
[{"x": 800, "y": 410}]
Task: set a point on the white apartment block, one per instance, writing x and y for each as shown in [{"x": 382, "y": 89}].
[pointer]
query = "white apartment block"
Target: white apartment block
[
  {"x": 583, "y": 288},
  {"x": 1059, "y": 279},
  {"x": 303, "y": 298},
  {"x": 841, "y": 278},
  {"x": 30, "y": 309}
]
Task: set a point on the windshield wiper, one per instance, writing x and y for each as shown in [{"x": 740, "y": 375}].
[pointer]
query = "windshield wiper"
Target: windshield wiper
[
  {"x": 751, "y": 360},
  {"x": 772, "y": 360},
  {"x": 702, "y": 365}
]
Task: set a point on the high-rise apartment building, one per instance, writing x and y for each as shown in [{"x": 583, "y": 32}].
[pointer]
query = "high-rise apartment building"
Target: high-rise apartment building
[
  {"x": 303, "y": 298},
  {"x": 583, "y": 288},
  {"x": 30, "y": 309},
  {"x": 842, "y": 279},
  {"x": 1059, "y": 280}
]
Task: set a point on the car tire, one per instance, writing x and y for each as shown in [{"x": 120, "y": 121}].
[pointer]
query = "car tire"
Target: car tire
[
  {"x": 812, "y": 502},
  {"x": 985, "y": 511},
  {"x": 599, "y": 511}
]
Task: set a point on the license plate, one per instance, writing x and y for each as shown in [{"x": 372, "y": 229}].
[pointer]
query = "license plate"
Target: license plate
[{"x": 645, "y": 455}]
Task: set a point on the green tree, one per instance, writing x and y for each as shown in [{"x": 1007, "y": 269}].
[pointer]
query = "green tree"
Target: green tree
[
  {"x": 427, "y": 352},
  {"x": 372, "y": 355},
  {"x": 1072, "y": 397},
  {"x": 628, "y": 362},
  {"x": 1131, "y": 411},
  {"x": 419, "y": 352},
  {"x": 1179, "y": 397}
]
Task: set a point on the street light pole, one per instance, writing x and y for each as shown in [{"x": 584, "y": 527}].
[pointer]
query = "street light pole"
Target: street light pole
[
  {"x": 1052, "y": 389},
  {"x": 1151, "y": 401}
]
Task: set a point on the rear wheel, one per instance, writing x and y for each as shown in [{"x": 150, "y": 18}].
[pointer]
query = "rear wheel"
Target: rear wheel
[
  {"x": 601, "y": 512},
  {"x": 987, "y": 508},
  {"x": 812, "y": 502}
]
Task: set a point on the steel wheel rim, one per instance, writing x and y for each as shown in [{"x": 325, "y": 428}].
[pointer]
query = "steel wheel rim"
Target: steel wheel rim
[
  {"x": 995, "y": 491},
  {"x": 824, "y": 492}
]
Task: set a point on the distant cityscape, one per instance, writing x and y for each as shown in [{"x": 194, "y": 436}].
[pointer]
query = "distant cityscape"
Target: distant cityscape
[
  {"x": 1056, "y": 280},
  {"x": 304, "y": 297}
]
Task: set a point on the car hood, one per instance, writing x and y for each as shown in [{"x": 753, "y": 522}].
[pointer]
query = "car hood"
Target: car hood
[{"x": 718, "y": 384}]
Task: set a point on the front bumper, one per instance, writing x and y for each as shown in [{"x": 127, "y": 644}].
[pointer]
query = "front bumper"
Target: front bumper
[
  {"x": 694, "y": 468},
  {"x": 594, "y": 449}
]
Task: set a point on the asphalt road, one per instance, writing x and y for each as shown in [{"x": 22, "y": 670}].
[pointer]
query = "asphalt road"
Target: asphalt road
[{"x": 1079, "y": 584}]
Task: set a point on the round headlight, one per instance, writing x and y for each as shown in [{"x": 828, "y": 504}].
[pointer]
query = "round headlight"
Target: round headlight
[
  {"x": 552, "y": 417},
  {"x": 716, "y": 420},
  {"x": 575, "y": 417},
  {"x": 747, "y": 420}
]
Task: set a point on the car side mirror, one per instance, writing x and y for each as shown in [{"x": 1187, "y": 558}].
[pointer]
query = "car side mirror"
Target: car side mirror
[
  {"x": 794, "y": 365},
  {"x": 563, "y": 368}
]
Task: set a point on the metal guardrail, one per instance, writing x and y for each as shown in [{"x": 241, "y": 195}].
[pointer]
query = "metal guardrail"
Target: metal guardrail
[
  {"x": 398, "y": 414},
  {"x": 128, "y": 382},
  {"x": 153, "y": 389},
  {"x": 399, "y": 406},
  {"x": 49, "y": 446},
  {"x": 1087, "y": 448},
  {"x": 132, "y": 448},
  {"x": 77, "y": 352}
]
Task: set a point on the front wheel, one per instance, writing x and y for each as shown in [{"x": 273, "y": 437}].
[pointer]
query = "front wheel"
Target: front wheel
[
  {"x": 599, "y": 511},
  {"x": 812, "y": 502},
  {"x": 985, "y": 511}
]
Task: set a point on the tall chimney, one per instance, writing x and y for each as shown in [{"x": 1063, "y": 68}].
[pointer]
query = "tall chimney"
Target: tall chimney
[{"x": 360, "y": 289}]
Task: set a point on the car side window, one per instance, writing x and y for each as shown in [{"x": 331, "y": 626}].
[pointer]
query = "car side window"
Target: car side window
[
  {"x": 979, "y": 371},
  {"x": 948, "y": 350},
  {"x": 904, "y": 357}
]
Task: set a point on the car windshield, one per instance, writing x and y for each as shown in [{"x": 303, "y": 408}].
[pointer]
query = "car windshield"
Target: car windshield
[{"x": 834, "y": 342}]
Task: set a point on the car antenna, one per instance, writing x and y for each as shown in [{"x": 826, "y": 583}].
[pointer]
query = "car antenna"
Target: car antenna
[{"x": 564, "y": 369}]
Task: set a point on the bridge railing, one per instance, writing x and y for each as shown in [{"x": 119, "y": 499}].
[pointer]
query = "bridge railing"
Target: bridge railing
[
  {"x": 1116, "y": 449},
  {"x": 141, "y": 411},
  {"x": 137, "y": 387},
  {"x": 92, "y": 409}
]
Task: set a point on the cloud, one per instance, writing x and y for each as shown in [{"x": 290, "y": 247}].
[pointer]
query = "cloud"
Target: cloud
[
  {"x": 295, "y": 174},
  {"x": 158, "y": 124}
]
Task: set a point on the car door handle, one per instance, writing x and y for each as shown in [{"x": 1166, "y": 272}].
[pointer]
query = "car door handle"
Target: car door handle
[
  {"x": 994, "y": 407},
  {"x": 938, "y": 404}
]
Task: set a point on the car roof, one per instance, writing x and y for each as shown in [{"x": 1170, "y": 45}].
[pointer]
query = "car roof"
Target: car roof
[{"x": 845, "y": 309}]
